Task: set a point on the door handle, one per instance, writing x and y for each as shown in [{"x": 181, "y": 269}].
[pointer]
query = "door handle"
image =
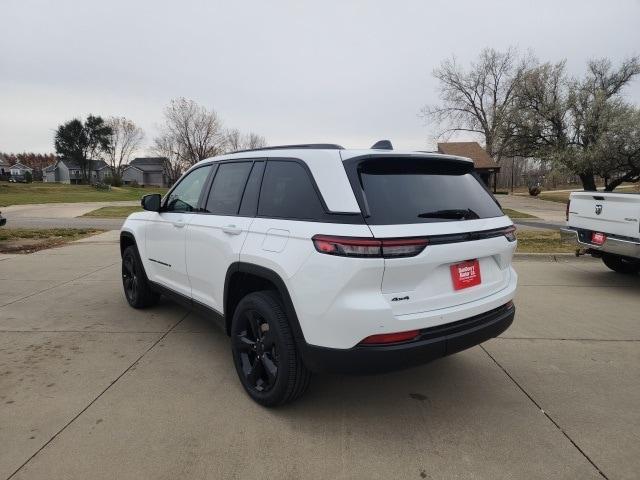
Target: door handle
[
  {"x": 179, "y": 223},
  {"x": 232, "y": 230}
]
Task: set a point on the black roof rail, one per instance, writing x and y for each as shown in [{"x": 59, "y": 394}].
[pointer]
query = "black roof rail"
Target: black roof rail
[{"x": 309, "y": 146}]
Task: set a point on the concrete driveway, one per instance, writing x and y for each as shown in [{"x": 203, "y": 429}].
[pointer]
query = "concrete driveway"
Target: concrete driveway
[{"x": 90, "y": 388}]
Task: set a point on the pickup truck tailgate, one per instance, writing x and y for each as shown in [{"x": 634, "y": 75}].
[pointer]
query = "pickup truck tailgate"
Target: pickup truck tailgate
[{"x": 611, "y": 213}]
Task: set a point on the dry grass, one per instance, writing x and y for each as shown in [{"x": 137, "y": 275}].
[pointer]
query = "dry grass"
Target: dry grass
[
  {"x": 38, "y": 192},
  {"x": 542, "y": 241},
  {"x": 113, "y": 212},
  {"x": 27, "y": 240},
  {"x": 516, "y": 214}
]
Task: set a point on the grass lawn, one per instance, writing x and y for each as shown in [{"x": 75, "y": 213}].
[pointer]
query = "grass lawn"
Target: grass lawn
[
  {"x": 543, "y": 241},
  {"x": 560, "y": 197},
  {"x": 37, "y": 192},
  {"x": 113, "y": 212},
  {"x": 516, "y": 214},
  {"x": 27, "y": 240}
]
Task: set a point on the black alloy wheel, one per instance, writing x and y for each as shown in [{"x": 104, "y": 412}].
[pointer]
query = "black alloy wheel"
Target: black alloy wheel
[
  {"x": 264, "y": 350},
  {"x": 257, "y": 351},
  {"x": 134, "y": 280}
]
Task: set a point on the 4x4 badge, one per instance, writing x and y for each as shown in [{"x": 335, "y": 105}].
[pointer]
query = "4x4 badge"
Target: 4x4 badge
[
  {"x": 398, "y": 299},
  {"x": 598, "y": 209}
]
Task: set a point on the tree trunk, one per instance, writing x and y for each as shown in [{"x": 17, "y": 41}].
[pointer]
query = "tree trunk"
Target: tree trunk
[{"x": 588, "y": 182}]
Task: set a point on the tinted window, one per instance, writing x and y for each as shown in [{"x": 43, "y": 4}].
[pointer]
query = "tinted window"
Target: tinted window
[
  {"x": 184, "y": 198},
  {"x": 227, "y": 188},
  {"x": 399, "y": 192},
  {"x": 287, "y": 192},
  {"x": 249, "y": 206}
]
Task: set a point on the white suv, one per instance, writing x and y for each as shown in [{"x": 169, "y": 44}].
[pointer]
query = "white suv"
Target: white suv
[{"x": 314, "y": 258}]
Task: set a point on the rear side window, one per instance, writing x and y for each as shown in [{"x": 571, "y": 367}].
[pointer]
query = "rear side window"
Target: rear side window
[
  {"x": 287, "y": 192},
  {"x": 227, "y": 188},
  {"x": 399, "y": 191}
]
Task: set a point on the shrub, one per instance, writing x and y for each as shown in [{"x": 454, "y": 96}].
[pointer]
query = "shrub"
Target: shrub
[
  {"x": 102, "y": 186},
  {"x": 535, "y": 191},
  {"x": 134, "y": 183},
  {"x": 28, "y": 177}
]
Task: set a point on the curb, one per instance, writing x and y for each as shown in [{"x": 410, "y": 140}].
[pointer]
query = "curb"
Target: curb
[{"x": 552, "y": 257}]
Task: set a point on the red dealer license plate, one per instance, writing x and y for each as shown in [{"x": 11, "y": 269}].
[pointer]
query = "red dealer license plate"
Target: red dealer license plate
[
  {"x": 465, "y": 274},
  {"x": 598, "y": 238}
]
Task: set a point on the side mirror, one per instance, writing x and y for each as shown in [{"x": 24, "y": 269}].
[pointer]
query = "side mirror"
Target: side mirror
[{"x": 151, "y": 202}]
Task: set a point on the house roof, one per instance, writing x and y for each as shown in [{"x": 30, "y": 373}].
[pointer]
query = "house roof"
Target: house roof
[
  {"x": 50, "y": 168},
  {"x": 93, "y": 164},
  {"x": 472, "y": 150},
  {"x": 148, "y": 164},
  {"x": 21, "y": 166}
]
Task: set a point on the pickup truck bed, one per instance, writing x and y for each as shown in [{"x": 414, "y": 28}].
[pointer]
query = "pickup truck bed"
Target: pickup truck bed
[{"x": 606, "y": 225}]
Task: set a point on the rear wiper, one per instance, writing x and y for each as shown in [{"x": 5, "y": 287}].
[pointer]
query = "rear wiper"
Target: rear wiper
[{"x": 453, "y": 214}]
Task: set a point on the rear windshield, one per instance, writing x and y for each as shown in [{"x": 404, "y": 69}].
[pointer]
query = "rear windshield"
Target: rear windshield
[{"x": 399, "y": 192}]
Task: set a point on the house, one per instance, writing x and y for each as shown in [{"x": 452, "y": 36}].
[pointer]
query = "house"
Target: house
[
  {"x": 68, "y": 171},
  {"x": 19, "y": 170},
  {"x": 486, "y": 166},
  {"x": 4, "y": 167},
  {"x": 146, "y": 171}
]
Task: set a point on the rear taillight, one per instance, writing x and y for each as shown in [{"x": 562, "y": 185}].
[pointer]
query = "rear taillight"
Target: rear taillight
[
  {"x": 510, "y": 233},
  {"x": 385, "y": 338},
  {"x": 368, "y": 247},
  {"x": 567, "y": 211}
]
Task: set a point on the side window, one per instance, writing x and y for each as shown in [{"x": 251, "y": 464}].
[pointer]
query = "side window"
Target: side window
[
  {"x": 184, "y": 198},
  {"x": 287, "y": 192},
  {"x": 227, "y": 188},
  {"x": 249, "y": 205}
]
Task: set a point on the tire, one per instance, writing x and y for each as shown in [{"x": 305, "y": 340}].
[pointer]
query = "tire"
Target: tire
[
  {"x": 621, "y": 264},
  {"x": 264, "y": 351},
  {"x": 134, "y": 280}
]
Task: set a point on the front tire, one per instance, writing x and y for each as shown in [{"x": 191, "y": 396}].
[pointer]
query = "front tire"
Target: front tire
[
  {"x": 621, "y": 264},
  {"x": 264, "y": 351},
  {"x": 134, "y": 280}
]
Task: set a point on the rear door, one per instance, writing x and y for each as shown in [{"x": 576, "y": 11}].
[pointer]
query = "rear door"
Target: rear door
[
  {"x": 215, "y": 237},
  {"x": 467, "y": 256}
]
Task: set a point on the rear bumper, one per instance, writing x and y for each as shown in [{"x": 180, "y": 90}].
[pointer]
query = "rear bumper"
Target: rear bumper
[
  {"x": 434, "y": 342},
  {"x": 582, "y": 239}
]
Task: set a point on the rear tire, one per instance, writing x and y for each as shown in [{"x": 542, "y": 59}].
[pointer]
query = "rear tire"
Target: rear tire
[
  {"x": 134, "y": 280},
  {"x": 621, "y": 264},
  {"x": 264, "y": 351}
]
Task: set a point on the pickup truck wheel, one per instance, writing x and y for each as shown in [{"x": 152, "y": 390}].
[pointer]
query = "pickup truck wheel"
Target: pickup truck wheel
[
  {"x": 621, "y": 264},
  {"x": 264, "y": 351},
  {"x": 134, "y": 280}
]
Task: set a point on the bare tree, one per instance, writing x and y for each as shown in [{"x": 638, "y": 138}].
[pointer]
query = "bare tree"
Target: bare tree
[
  {"x": 168, "y": 147},
  {"x": 583, "y": 125},
  {"x": 479, "y": 100},
  {"x": 196, "y": 133},
  {"x": 236, "y": 140},
  {"x": 125, "y": 139}
]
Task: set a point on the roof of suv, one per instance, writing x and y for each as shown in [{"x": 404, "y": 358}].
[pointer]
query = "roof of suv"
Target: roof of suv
[{"x": 325, "y": 162}]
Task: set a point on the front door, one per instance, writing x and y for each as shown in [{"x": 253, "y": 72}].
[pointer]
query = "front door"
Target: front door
[{"x": 165, "y": 237}]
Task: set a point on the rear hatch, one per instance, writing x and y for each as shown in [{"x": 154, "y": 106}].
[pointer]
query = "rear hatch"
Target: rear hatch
[
  {"x": 610, "y": 213},
  {"x": 442, "y": 200}
]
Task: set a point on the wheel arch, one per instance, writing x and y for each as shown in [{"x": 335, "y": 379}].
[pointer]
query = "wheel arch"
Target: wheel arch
[
  {"x": 127, "y": 239},
  {"x": 243, "y": 278}
]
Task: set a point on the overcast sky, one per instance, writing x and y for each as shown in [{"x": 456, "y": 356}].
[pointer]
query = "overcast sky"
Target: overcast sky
[{"x": 349, "y": 72}]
